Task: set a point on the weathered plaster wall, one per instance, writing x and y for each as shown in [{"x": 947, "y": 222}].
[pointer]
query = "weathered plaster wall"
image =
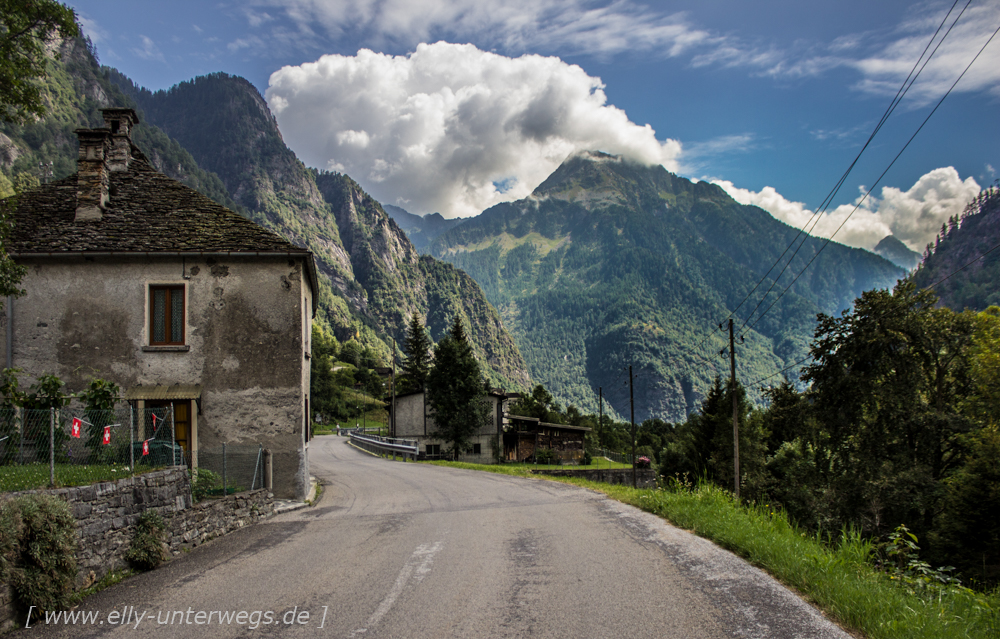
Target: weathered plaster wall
[
  {"x": 245, "y": 334},
  {"x": 410, "y": 425}
]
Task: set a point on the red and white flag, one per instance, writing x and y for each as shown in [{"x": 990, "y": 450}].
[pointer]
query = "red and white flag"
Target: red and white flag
[
  {"x": 145, "y": 447},
  {"x": 107, "y": 436},
  {"x": 77, "y": 423}
]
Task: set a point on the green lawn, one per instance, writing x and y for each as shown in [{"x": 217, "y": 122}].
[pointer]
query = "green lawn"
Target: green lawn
[
  {"x": 597, "y": 463},
  {"x": 835, "y": 574},
  {"x": 30, "y": 476}
]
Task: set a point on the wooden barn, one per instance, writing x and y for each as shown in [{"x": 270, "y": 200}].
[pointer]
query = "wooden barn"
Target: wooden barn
[{"x": 525, "y": 435}]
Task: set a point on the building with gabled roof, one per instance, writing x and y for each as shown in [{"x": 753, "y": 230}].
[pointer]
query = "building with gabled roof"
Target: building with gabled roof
[{"x": 136, "y": 278}]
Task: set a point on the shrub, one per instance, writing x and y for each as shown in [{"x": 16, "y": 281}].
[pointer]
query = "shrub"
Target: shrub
[
  {"x": 148, "y": 548},
  {"x": 10, "y": 530},
  {"x": 44, "y": 562},
  {"x": 545, "y": 455},
  {"x": 642, "y": 462},
  {"x": 588, "y": 459},
  {"x": 204, "y": 483}
]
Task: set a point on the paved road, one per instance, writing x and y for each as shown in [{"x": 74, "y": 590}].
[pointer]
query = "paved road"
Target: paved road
[{"x": 411, "y": 550}]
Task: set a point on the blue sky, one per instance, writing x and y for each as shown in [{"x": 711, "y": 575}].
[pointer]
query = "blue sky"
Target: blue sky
[{"x": 453, "y": 106}]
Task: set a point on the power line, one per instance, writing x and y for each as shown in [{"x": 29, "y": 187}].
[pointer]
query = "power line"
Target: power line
[
  {"x": 929, "y": 286},
  {"x": 962, "y": 269},
  {"x": 860, "y": 202},
  {"x": 827, "y": 201}
]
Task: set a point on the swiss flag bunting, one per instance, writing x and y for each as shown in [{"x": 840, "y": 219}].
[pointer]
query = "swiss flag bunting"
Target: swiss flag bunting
[
  {"x": 107, "y": 436},
  {"x": 77, "y": 422},
  {"x": 145, "y": 447}
]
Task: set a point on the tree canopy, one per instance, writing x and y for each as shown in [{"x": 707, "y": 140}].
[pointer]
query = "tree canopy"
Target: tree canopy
[
  {"x": 456, "y": 390},
  {"x": 417, "y": 364},
  {"x": 26, "y": 27}
]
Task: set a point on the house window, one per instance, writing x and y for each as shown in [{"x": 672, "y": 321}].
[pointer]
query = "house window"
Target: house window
[
  {"x": 477, "y": 449},
  {"x": 433, "y": 449},
  {"x": 166, "y": 315}
]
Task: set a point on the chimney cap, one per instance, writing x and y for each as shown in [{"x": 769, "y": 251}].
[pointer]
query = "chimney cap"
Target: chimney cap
[{"x": 120, "y": 112}]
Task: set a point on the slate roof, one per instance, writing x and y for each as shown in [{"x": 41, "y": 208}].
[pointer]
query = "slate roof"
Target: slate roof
[{"x": 147, "y": 212}]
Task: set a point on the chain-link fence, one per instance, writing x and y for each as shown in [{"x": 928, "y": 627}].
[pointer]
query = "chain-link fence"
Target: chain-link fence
[
  {"x": 621, "y": 458},
  {"x": 69, "y": 446},
  {"x": 227, "y": 469}
]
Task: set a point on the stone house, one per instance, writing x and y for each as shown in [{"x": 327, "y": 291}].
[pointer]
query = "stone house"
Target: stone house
[
  {"x": 138, "y": 279},
  {"x": 415, "y": 420}
]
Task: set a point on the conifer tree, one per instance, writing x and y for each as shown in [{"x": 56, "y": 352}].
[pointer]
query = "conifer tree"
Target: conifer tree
[
  {"x": 455, "y": 390},
  {"x": 417, "y": 364}
]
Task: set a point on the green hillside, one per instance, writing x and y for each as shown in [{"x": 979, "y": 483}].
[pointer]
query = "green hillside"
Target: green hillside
[
  {"x": 964, "y": 262},
  {"x": 610, "y": 264}
]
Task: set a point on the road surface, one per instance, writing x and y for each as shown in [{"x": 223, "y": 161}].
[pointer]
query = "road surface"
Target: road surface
[{"x": 411, "y": 550}]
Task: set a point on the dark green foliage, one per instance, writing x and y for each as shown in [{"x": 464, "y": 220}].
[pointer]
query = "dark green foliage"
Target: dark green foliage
[
  {"x": 204, "y": 483},
  {"x": 952, "y": 264},
  {"x": 546, "y": 456},
  {"x": 967, "y": 530},
  {"x": 44, "y": 564},
  {"x": 417, "y": 364},
  {"x": 26, "y": 27},
  {"x": 147, "y": 548},
  {"x": 99, "y": 396},
  {"x": 323, "y": 388},
  {"x": 456, "y": 391}
]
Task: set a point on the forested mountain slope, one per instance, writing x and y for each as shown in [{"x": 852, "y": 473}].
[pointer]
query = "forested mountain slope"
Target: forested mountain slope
[
  {"x": 964, "y": 262},
  {"x": 610, "y": 264}
]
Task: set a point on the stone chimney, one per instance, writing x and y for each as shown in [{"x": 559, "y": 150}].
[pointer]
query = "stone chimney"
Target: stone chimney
[
  {"x": 120, "y": 121},
  {"x": 92, "y": 173}
]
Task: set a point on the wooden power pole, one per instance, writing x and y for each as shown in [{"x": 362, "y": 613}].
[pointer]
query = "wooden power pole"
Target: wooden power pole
[
  {"x": 736, "y": 428},
  {"x": 631, "y": 403}
]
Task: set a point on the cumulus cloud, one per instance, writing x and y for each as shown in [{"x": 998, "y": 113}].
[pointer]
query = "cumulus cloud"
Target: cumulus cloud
[
  {"x": 913, "y": 216},
  {"x": 450, "y": 127}
]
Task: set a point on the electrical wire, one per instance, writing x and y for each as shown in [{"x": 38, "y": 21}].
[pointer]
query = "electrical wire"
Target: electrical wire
[
  {"x": 825, "y": 204},
  {"x": 862, "y": 200}
]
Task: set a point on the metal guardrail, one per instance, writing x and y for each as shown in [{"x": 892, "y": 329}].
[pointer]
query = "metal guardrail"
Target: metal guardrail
[{"x": 384, "y": 445}]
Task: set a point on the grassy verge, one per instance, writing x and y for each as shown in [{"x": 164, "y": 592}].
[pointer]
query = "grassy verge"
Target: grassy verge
[
  {"x": 30, "y": 476},
  {"x": 835, "y": 575}
]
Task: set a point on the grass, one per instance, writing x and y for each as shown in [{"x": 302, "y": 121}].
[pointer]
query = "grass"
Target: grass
[
  {"x": 597, "y": 463},
  {"x": 31, "y": 476},
  {"x": 834, "y": 574}
]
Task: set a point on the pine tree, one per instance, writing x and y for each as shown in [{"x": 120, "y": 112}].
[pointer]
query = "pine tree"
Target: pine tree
[
  {"x": 417, "y": 364},
  {"x": 455, "y": 390}
]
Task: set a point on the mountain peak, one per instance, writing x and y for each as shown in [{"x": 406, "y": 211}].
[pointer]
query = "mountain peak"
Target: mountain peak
[{"x": 595, "y": 178}]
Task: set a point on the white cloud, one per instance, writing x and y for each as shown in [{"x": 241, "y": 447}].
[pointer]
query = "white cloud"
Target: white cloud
[
  {"x": 913, "y": 216},
  {"x": 551, "y": 25},
  {"x": 885, "y": 69},
  {"x": 450, "y": 127},
  {"x": 149, "y": 50}
]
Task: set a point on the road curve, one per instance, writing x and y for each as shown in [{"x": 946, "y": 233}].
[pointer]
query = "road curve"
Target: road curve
[{"x": 412, "y": 550}]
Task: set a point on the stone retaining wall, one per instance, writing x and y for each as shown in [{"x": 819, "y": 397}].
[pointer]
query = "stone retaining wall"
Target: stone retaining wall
[
  {"x": 106, "y": 514},
  {"x": 645, "y": 477}
]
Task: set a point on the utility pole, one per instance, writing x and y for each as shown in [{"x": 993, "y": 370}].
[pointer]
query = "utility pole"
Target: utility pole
[
  {"x": 736, "y": 429},
  {"x": 600, "y": 412},
  {"x": 392, "y": 415},
  {"x": 631, "y": 403}
]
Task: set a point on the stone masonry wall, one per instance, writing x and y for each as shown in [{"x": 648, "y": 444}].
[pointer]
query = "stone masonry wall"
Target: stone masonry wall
[
  {"x": 645, "y": 478},
  {"x": 106, "y": 514}
]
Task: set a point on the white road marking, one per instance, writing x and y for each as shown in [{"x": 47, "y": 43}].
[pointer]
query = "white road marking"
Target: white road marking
[{"x": 420, "y": 562}]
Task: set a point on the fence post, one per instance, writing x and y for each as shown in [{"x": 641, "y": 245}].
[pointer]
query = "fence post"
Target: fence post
[
  {"x": 225, "y": 488},
  {"x": 19, "y": 412},
  {"x": 173, "y": 437},
  {"x": 268, "y": 468},
  {"x": 52, "y": 447},
  {"x": 131, "y": 437}
]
